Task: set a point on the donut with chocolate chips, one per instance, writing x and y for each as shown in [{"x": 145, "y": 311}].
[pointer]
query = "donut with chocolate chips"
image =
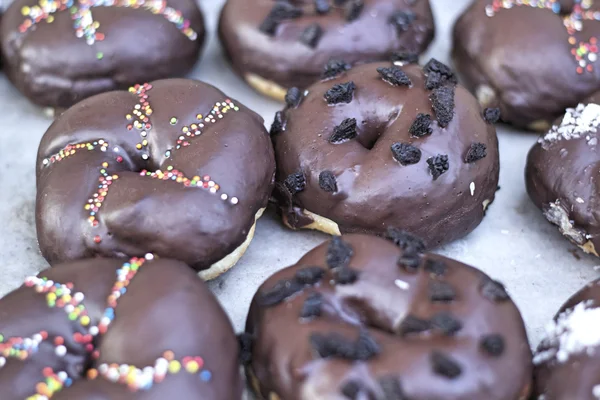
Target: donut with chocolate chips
[
  {"x": 567, "y": 361},
  {"x": 59, "y": 52},
  {"x": 277, "y": 45},
  {"x": 382, "y": 145},
  {"x": 530, "y": 58},
  {"x": 562, "y": 174},
  {"x": 407, "y": 325},
  {"x": 174, "y": 167},
  {"x": 107, "y": 329}
]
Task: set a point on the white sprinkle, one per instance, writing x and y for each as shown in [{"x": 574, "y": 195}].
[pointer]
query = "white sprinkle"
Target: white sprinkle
[
  {"x": 45, "y": 161},
  {"x": 145, "y": 156},
  {"x": 579, "y": 200},
  {"x": 94, "y": 331},
  {"x": 116, "y": 149},
  {"x": 223, "y": 196},
  {"x": 577, "y": 122},
  {"x": 149, "y": 256},
  {"x": 596, "y": 391},
  {"x": 78, "y": 297},
  {"x": 61, "y": 351},
  {"x": 62, "y": 375},
  {"x": 401, "y": 284},
  {"x": 234, "y": 200},
  {"x": 2, "y": 362},
  {"x": 472, "y": 187}
]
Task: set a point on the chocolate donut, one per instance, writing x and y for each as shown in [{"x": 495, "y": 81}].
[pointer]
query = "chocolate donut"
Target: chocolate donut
[
  {"x": 567, "y": 361},
  {"x": 381, "y": 146},
  {"x": 562, "y": 175},
  {"x": 59, "y": 52},
  {"x": 102, "y": 329},
  {"x": 276, "y": 45},
  {"x": 174, "y": 167},
  {"x": 530, "y": 58},
  {"x": 361, "y": 318}
]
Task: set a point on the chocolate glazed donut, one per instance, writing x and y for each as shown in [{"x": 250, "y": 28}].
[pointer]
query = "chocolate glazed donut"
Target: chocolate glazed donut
[
  {"x": 567, "y": 362},
  {"x": 381, "y": 145},
  {"x": 359, "y": 318},
  {"x": 174, "y": 167},
  {"x": 58, "y": 52},
  {"x": 562, "y": 175},
  {"x": 103, "y": 329},
  {"x": 276, "y": 45},
  {"x": 532, "y": 59}
]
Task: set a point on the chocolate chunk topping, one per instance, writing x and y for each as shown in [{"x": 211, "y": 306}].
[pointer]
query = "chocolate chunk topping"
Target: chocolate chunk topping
[
  {"x": 322, "y": 6},
  {"x": 312, "y": 306},
  {"x": 405, "y": 57},
  {"x": 340, "y": 93},
  {"x": 334, "y": 68},
  {"x": 353, "y": 9},
  {"x": 409, "y": 261},
  {"x": 444, "y": 365},
  {"x": 309, "y": 275},
  {"x": 278, "y": 293},
  {"x": 392, "y": 388},
  {"x": 281, "y": 11},
  {"x": 421, "y": 126},
  {"x": 337, "y": 346},
  {"x": 293, "y": 97},
  {"x": 402, "y": 19},
  {"x": 344, "y": 131},
  {"x": 435, "y": 267},
  {"x": 394, "y": 76},
  {"x": 442, "y": 101},
  {"x": 277, "y": 126},
  {"x": 295, "y": 182},
  {"x": 351, "y": 389},
  {"x": 245, "y": 347},
  {"x": 345, "y": 276},
  {"x": 438, "y": 74},
  {"x": 493, "y": 345},
  {"x": 406, "y": 154},
  {"x": 406, "y": 241},
  {"x": 412, "y": 324},
  {"x": 441, "y": 291},
  {"x": 491, "y": 115},
  {"x": 339, "y": 253},
  {"x": 476, "y": 152},
  {"x": 311, "y": 35},
  {"x": 493, "y": 290},
  {"x": 327, "y": 181},
  {"x": 438, "y": 165},
  {"x": 446, "y": 323}
]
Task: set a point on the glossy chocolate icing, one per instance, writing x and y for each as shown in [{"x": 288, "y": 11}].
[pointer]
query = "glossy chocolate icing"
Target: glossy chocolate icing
[
  {"x": 389, "y": 304},
  {"x": 140, "y": 214},
  {"x": 53, "y": 67},
  {"x": 562, "y": 176},
  {"x": 375, "y": 190},
  {"x": 284, "y": 59},
  {"x": 523, "y": 54},
  {"x": 165, "y": 308}
]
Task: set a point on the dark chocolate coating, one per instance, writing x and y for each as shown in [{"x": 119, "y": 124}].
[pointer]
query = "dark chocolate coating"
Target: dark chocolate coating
[
  {"x": 376, "y": 191},
  {"x": 577, "y": 377},
  {"x": 381, "y": 301},
  {"x": 524, "y": 55},
  {"x": 165, "y": 308},
  {"x": 284, "y": 59},
  {"x": 562, "y": 180},
  {"x": 52, "y": 67},
  {"x": 140, "y": 214}
]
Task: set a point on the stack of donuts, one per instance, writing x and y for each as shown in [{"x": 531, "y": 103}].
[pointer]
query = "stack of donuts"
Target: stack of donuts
[{"x": 150, "y": 183}]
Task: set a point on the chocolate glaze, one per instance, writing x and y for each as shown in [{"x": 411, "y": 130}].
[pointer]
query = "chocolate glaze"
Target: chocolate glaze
[
  {"x": 386, "y": 303},
  {"x": 577, "y": 376},
  {"x": 53, "y": 67},
  {"x": 562, "y": 180},
  {"x": 505, "y": 53},
  {"x": 284, "y": 59},
  {"x": 374, "y": 190},
  {"x": 150, "y": 318},
  {"x": 140, "y": 214}
]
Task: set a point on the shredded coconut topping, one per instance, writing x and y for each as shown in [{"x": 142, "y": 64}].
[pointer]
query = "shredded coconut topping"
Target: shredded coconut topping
[{"x": 576, "y": 123}]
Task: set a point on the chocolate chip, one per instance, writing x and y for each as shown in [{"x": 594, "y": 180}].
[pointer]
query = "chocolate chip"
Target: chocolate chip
[
  {"x": 245, "y": 341},
  {"x": 269, "y": 26},
  {"x": 491, "y": 115},
  {"x": 351, "y": 389},
  {"x": 402, "y": 20},
  {"x": 438, "y": 165},
  {"x": 334, "y": 68},
  {"x": 339, "y": 253},
  {"x": 295, "y": 182},
  {"x": 278, "y": 293},
  {"x": 441, "y": 292},
  {"x": 435, "y": 267},
  {"x": 444, "y": 365},
  {"x": 476, "y": 152},
  {"x": 281, "y": 11},
  {"x": 322, "y": 6},
  {"x": 394, "y": 76},
  {"x": 405, "y": 57},
  {"x": 421, "y": 126},
  {"x": 405, "y": 153},
  {"x": 406, "y": 241},
  {"x": 412, "y": 324},
  {"x": 493, "y": 290},
  {"x": 278, "y": 125},
  {"x": 345, "y": 276},
  {"x": 344, "y": 131},
  {"x": 366, "y": 347},
  {"x": 311, "y": 35},
  {"x": 293, "y": 97},
  {"x": 392, "y": 388},
  {"x": 340, "y": 93},
  {"x": 335, "y": 345},
  {"x": 353, "y": 9},
  {"x": 445, "y": 322},
  {"x": 327, "y": 181},
  {"x": 309, "y": 275},
  {"x": 312, "y": 306},
  {"x": 442, "y": 100},
  {"x": 493, "y": 345},
  {"x": 410, "y": 261},
  {"x": 438, "y": 74}
]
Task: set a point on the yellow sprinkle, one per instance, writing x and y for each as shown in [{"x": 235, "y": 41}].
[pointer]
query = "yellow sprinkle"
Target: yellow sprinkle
[{"x": 174, "y": 366}]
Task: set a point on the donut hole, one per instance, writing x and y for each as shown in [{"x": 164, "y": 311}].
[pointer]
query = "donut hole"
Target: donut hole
[{"x": 370, "y": 132}]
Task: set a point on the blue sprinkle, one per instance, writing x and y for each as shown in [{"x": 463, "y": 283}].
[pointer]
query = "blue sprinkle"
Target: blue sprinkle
[
  {"x": 123, "y": 290},
  {"x": 556, "y": 8},
  {"x": 68, "y": 382},
  {"x": 205, "y": 376}
]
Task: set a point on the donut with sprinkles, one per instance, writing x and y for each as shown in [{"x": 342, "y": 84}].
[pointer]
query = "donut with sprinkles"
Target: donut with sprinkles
[
  {"x": 112, "y": 329},
  {"x": 59, "y": 52},
  {"x": 531, "y": 58},
  {"x": 172, "y": 167}
]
